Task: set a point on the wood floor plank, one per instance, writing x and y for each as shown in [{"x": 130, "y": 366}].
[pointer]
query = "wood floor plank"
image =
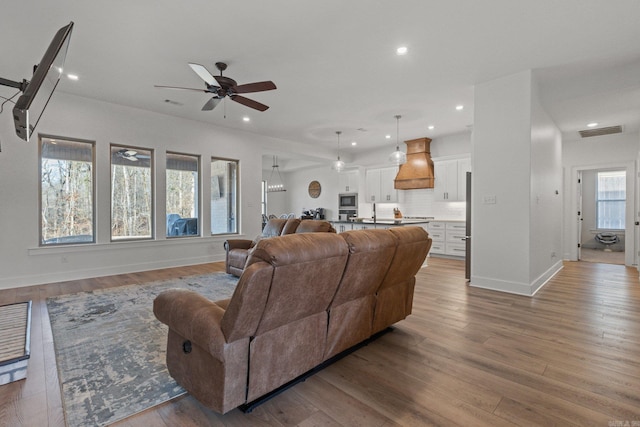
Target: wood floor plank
[{"x": 466, "y": 356}]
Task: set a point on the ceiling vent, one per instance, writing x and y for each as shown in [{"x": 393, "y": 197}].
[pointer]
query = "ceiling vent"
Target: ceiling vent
[{"x": 601, "y": 131}]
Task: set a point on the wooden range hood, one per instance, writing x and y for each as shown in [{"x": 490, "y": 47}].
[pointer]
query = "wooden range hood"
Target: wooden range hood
[{"x": 417, "y": 172}]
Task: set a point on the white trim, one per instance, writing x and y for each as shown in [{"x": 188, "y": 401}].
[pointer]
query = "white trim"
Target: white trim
[{"x": 518, "y": 288}]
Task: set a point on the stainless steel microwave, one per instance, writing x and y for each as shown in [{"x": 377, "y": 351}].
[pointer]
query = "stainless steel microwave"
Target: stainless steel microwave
[{"x": 348, "y": 200}]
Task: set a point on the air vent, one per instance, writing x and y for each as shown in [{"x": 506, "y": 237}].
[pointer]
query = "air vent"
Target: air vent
[{"x": 601, "y": 131}]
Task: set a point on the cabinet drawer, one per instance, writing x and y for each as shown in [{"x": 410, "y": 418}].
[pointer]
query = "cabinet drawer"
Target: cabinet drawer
[
  {"x": 457, "y": 226},
  {"x": 437, "y": 248},
  {"x": 455, "y": 236},
  {"x": 436, "y": 226},
  {"x": 457, "y": 249},
  {"x": 437, "y": 236}
]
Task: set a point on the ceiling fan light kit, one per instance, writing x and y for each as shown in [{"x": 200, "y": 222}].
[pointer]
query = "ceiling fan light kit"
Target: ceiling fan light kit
[{"x": 222, "y": 86}]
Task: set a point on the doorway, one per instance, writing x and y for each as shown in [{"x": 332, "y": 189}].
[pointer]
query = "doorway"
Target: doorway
[{"x": 602, "y": 215}]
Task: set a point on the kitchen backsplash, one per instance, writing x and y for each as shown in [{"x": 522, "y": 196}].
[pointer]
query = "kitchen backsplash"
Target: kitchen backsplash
[{"x": 417, "y": 203}]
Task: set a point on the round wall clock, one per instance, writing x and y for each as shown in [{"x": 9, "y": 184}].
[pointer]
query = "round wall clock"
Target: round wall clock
[{"x": 314, "y": 189}]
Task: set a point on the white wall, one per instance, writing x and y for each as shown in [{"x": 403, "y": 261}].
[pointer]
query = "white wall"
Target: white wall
[
  {"x": 22, "y": 262},
  {"x": 516, "y": 171},
  {"x": 598, "y": 152},
  {"x": 546, "y": 194}
]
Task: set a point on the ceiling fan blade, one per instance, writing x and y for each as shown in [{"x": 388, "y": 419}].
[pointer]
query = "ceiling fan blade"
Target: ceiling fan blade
[
  {"x": 203, "y": 73},
  {"x": 181, "y": 88},
  {"x": 211, "y": 104},
  {"x": 255, "y": 87},
  {"x": 249, "y": 103}
]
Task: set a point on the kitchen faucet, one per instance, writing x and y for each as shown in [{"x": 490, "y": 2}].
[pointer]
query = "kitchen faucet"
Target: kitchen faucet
[{"x": 374, "y": 213}]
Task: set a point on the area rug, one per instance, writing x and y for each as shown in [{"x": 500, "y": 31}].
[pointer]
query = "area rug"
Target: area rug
[{"x": 110, "y": 349}]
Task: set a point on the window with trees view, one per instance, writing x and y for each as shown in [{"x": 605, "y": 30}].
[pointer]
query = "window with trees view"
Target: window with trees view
[
  {"x": 182, "y": 194},
  {"x": 224, "y": 196},
  {"x": 611, "y": 199},
  {"x": 131, "y": 193},
  {"x": 66, "y": 191}
]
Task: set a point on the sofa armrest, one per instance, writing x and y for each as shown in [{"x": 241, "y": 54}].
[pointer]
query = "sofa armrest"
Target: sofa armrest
[
  {"x": 193, "y": 317},
  {"x": 238, "y": 244}
]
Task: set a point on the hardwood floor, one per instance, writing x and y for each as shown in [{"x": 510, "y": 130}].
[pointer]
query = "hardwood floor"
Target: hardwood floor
[{"x": 567, "y": 356}]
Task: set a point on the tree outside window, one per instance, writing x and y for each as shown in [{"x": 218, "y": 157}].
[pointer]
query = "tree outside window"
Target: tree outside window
[
  {"x": 66, "y": 191},
  {"x": 182, "y": 194},
  {"x": 131, "y": 193},
  {"x": 611, "y": 198},
  {"x": 224, "y": 196}
]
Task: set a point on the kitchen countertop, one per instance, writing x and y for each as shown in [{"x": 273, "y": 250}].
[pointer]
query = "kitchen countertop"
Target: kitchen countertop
[
  {"x": 387, "y": 221},
  {"x": 401, "y": 221}
]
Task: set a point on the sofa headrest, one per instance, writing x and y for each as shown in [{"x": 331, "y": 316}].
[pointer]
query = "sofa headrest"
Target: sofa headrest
[
  {"x": 298, "y": 248},
  {"x": 413, "y": 246},
  {"x": 315, "y": 226},
  {"x": 291, "y": 226},
  {"x": 274, "y": 227}
]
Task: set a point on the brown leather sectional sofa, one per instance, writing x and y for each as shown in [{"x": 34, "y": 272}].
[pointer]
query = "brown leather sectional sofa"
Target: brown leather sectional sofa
[
  {"x": 301, "y": 299},
  {"x": 238, "y": 249}
]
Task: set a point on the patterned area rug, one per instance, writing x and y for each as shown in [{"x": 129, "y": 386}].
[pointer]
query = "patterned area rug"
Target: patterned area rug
[{"x": 110, "y": 348}]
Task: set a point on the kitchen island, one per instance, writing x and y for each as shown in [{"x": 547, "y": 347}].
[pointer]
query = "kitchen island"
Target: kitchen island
[
  {"x": 448, "y": 234},
  {"x": 383, "y": 223}
]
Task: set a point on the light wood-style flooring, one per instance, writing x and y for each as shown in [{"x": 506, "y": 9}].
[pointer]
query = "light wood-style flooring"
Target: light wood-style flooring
[{"x": 569, "y": 356}]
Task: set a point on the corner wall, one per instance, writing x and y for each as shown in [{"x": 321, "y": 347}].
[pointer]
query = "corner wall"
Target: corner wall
[{"x": 516, "y": 170}]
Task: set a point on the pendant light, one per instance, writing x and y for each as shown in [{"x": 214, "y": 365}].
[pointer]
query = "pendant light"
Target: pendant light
[
  {"x": 398, "y": 157},
  {"x": 274, "y": 186},
  {"x": 338, "y": 165}
]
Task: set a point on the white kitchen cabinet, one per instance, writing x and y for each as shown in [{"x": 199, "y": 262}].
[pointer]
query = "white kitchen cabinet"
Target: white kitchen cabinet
[
  {"x": 451, "y": 179},
  {"x": 363, "y": 226},
  {"x": 455, "y": 238},
  {"x": 379, "y": 185},
  {"x": 447, "y": 238},
  {"x": 436, "y": 231},
  {"x": 348, "y": 181},
  {"x": 341, "y": 227}
]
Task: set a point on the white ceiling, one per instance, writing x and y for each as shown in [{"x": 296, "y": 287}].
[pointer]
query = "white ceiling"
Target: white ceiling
[{"x": 334, "y": 62}]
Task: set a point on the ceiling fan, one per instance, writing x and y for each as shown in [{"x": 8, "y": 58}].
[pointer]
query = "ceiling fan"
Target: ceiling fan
[
  {"x": 131, "y": 155},
  {"x": 221, "y": 86}
]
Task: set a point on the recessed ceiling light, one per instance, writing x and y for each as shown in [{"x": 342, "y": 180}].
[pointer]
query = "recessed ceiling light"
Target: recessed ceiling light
[
  {"x": 388, "y": 136},
  {"x": 72, "y": 76},
  {"x": 402, "y": 50},
  {"x": 246, "y": 119},
  {"x": 592, "y": 124},
  {"x": 459, "y": 107},
  {"x": 431, "y": 127},
  {"x": 354, "y": 143}
]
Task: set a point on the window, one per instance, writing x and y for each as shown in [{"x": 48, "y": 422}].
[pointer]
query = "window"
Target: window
[
  {"x": 131, "y": 193},
  {"x": 66, "y": 191},
  {"x": 224, "y": 196},
  {"x": 182, "y": 195},
  {"x": 611, "y": 200}
]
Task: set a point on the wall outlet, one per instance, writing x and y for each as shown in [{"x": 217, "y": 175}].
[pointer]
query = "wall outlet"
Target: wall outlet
[{"x": 489, "y": 200}]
